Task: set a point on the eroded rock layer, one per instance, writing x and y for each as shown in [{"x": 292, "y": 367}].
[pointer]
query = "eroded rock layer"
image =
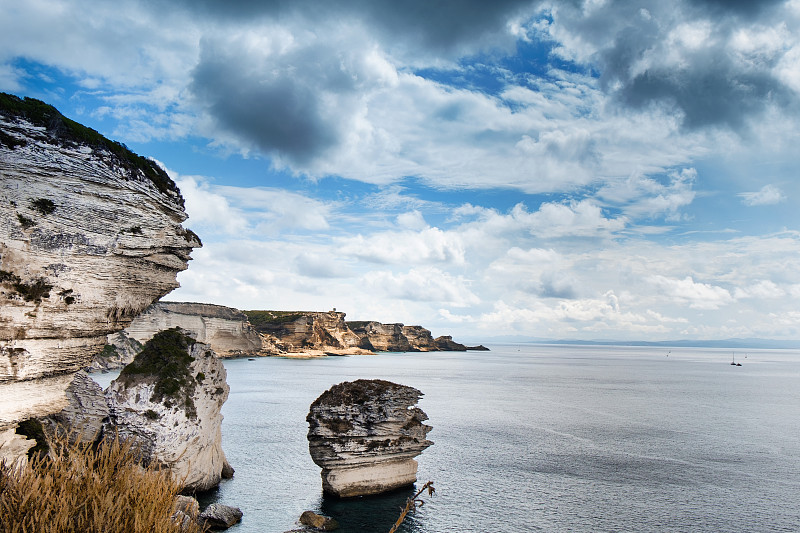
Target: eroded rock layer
[
  {"x": 365, "y": 434},
  {"x": 225, "y": 329},
  {"x": 90, "y": 235},
  {"x": 169, "y": 400}
]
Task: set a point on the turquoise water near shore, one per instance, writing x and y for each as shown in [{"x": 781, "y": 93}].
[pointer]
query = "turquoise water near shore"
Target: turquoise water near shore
[{"x": 540, "y": 438}]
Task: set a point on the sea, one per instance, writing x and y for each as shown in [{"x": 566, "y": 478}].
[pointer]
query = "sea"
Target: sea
[{"x": 550, "y": 438}]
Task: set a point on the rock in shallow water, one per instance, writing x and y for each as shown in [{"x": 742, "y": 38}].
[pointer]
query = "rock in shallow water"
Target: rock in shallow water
[
  {"x": 318, "y": 521},
  {"x": 218, "y": 516},
  {"x": 364, "y": 434}
]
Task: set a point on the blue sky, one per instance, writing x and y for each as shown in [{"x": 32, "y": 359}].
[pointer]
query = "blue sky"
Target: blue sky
[{"x": 590, "y": 169}]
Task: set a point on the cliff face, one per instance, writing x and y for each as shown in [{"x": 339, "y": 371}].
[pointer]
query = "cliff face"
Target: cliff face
[
  {"x": 90, "y": 235},
  {"x": 365, "y": 435},
  {"x": 168, "y": 400},
  {"x": 305, "y": 331},
  {"x": 225, "y": 329}
]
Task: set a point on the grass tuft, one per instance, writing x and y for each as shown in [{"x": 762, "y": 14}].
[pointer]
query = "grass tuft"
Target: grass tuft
[{"x": 88, "y": 489}]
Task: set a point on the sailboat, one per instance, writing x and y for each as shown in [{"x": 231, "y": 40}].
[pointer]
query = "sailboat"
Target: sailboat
[{"x": 733, "y": 360}]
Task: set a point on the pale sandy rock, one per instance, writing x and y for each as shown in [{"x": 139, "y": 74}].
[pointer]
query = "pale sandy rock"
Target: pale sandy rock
[
  {"x": 385, "y": 337},
  {"x": 365, "y": 435},
  {"x": 225, "y": 329},
  {"x": 182, "y": 429},
  {"x": 306, "y": 331},
  {"x": 14, "y": 447},
  {"x": 419, "y": 338},
  {"x": 318, "y": 521},
  {"x": 86, "y": 244}
]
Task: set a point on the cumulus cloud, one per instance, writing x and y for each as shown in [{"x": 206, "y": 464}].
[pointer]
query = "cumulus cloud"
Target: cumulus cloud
[
  {"x": 696, "y": 295},
  {"x": 768, "y": 195},
  {"x": 645, "y": 197},
  {"x": 693, "y": 57},
  {"x": 428, "y": 284}
]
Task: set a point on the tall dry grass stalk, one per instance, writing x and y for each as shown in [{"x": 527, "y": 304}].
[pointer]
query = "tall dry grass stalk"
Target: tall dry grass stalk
[
  {"x": 412, "y": 503},
  {"x": 88, "y": 489}
]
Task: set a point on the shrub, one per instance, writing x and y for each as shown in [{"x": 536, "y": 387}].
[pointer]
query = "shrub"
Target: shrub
[
  {"x": 88, "y": 489},
  {"x": 44, "y": 206},
  {"x": 69, "y": 133},
  {"x": 25, "y": 222},
  {"x": 165, "y": 359}
]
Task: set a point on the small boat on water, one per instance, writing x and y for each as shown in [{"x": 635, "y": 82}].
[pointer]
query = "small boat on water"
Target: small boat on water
[{"x": 733, "y": 360}]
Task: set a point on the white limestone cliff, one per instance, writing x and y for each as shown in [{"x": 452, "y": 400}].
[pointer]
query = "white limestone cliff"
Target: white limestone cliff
[
  {"x": 225, "y": 329},
  {"x": 88, "y": 240},
  {"x": 364, "y": 435},
  {"x": 168, "y": 401}
]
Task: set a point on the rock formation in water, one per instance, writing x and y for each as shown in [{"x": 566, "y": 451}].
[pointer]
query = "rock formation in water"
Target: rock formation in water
[
  {"x": 168, "y": 400},
  {"x": 90, "y": 235},
  {"x": 225, "y": 329},
  {"x": 400, "y": 338},
  {"x": 365, "y": 435}
]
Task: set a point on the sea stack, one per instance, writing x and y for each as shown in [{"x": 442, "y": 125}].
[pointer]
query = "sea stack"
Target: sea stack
[
  {"x": 168, "y": 400},
  {"x": 365, "y": 435}
]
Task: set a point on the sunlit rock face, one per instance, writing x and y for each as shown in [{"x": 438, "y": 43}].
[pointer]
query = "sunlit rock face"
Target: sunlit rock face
[
  {"x": 225, "y": 329},
  {"x": 365, "y": 435},
  {"x": 169, "y": 401},
  {"x": 305, "y": 331},
  {"x": 90, "y": 235},
  {"x": 384, "y": 337}
]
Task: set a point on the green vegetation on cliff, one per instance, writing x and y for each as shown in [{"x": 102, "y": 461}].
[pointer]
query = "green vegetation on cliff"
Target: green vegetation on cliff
[
  {"x": 262, "y": 318},
  {"x": 165, "y": 359},
  {"x": 70, "y": 133}
]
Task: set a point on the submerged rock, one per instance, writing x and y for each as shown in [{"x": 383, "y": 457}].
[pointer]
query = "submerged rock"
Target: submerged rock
[
  {"x": 365, "y": 435},
  {"x": 168, "y": 400}
]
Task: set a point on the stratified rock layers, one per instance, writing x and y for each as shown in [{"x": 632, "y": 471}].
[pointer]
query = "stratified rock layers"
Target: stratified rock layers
[
  {"x": 87, "y": 242},
  {"x": 365, "y": 435},
  {"x": 225, "y": 329},
  {"x": 169, "y": 402}
]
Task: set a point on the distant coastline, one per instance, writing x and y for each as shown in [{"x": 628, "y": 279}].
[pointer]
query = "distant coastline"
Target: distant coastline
[{"x": 752, "y": 343}]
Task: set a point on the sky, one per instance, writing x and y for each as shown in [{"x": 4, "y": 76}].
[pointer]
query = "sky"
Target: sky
[{"x": 594, "y": 170}]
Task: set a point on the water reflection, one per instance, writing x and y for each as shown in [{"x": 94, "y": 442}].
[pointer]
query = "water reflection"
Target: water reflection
[{"x": 370, "y": 514}]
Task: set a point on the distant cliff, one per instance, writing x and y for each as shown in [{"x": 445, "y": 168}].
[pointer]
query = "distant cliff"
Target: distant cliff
[
  {"x": 90, "y": 236},
  {"x": 234, "y": 333},
  {"x": 225, "y": 329}
]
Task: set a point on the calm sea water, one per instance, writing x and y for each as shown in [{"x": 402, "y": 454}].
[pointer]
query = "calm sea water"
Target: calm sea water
[{"x": 540, "y": 438}]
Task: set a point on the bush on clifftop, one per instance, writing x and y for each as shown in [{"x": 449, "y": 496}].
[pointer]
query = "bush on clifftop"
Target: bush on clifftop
[
  {"x": 69, "y": 132},
  {"x": 165, "y": 359}
]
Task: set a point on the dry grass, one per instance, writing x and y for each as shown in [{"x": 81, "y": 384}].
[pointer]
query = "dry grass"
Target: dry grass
[{"x": 88, "y": 489}]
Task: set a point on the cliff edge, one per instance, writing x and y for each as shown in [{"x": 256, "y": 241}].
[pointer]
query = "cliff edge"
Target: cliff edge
[{"x": 90, "y": 235}]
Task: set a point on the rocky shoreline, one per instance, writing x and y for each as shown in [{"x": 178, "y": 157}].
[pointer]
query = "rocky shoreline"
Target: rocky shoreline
[{"x": 297, "y": 334}]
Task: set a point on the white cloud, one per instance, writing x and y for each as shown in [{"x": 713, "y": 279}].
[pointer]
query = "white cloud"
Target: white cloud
[
  {"x": 696, "y": 295},
  {"x": 430, "y": 245},
  {"x": 427, "y": 284},
  {"x": 768, "y": 195},
  {"x": 208, "y": 211}
]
